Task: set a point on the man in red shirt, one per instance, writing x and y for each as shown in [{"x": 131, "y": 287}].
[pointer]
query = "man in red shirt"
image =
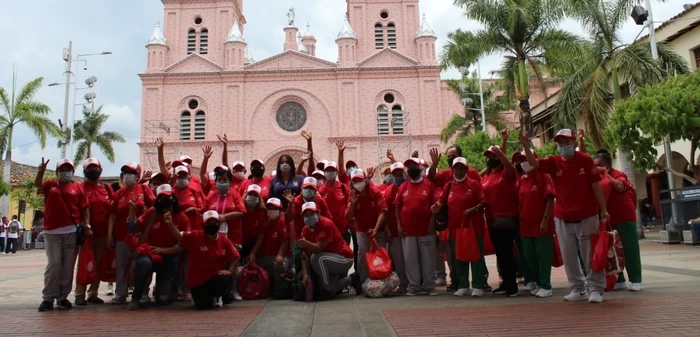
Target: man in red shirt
[
  {"x": 257, "y": 170},
  {"x": 392, "y": 233},
  {"x": 275, "y": 255},
  {"x": 337, "y": 196},
  {"x": 65, "y": 209},
  {"x": 579, "y": 200}
]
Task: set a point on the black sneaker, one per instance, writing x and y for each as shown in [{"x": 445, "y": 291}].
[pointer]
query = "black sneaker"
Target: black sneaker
[
  {"x": 81, "y": 302},
  {"x": 487, "y": 287},
  {"x": 499, "y": 290},
  {"x": 64, "y": 304},
  {"x": 133, "y": 305},
  {"x": 355, "y": 278},
  {"x": 95, "y": 300},
  {"x": 45, "y": 306},
  {"x": 512, "y": 293},
  {"x": 453, "y": 286}
]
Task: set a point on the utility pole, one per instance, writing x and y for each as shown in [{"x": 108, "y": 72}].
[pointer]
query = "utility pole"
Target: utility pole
[{"x": 68, "y": 57}]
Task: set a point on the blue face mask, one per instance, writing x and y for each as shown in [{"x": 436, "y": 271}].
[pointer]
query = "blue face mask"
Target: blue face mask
[
  {"x": 389, "y": 179},
  {"x": 308, "y": 193},
  {"x": 311, "y": 220},
  {"x": 223, "y": 187},
  {"x": 352, "y": 168},
  {"x": 566, "y": 151},
  {"x": 331, "y": 175},
  {"x": 400, "y": 181}
]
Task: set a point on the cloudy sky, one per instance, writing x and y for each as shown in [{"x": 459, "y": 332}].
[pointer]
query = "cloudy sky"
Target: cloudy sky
[{"x": 38, "y": 30}]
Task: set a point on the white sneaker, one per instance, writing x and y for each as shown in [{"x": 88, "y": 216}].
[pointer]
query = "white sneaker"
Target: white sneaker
[
  {"x": 535, "y": 291},
  {"x": 544, "y": 293},
  {"x": 237, "y": 296},
  {"x": 595, "y": 297},
  {"x": 635, "y": 287},
  {"x": 576, "y": 296},
  {"x": 110, "y": 290},
  {"x": 218, "y": 303},
  {"x": 477, "y": 292},
  {"x": 531, "y": 286},
  {"x": 461, "y": 292},
  {"x": 620, "y": 286}
]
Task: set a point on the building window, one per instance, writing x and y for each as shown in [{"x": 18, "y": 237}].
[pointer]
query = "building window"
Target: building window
[
  {"x": 697, "y": 58},
  {"x": 378, "y": 36},
  {"x": 199, "y": 125},
  {"x": 185, "y": 125},
  {"x": 391, "y": 35},
  {"x": 382, "y": 120},
  {"x": 397, "y": 126},
  {"x": 191, "y": 41},
  {"x": 204, "y": 41}
]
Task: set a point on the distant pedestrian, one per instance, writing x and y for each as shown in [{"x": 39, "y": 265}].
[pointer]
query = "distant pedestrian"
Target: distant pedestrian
[
  {"x": 12, "y": 236},
  {"x": 645, "y": 210},
  {"x": 3, "y": 234}
]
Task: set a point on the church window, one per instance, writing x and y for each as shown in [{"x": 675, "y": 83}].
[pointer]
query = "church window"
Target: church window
[
  {"x": 384, "y": 15},
  {"x": 391, "y": 35},
  {"x": 382, "y": 120},
  {"x": 378, "y": 36},
  {"x": 199, "y": 125},
  {"x": 204, "y": 41},
  {"x": 389, "y": 98},
  {"x": 191, "y": 41},
  {"x": 198, "y": 20},
  {"x": 185, "y": 125},
  {"x": 397, "y": 126}
]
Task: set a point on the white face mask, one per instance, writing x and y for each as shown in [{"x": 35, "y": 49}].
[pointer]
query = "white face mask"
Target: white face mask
[
  {"x": 360, "y": 186},
  {"x": 239, "y": 175},
  {"x": 129, "y": 179},
  {"x": 527, "y": 168},
  {"x": 273, "y": 214},
  {"x": 460, "y": 180}
]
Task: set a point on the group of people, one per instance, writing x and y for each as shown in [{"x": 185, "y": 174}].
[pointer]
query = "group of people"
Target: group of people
[
  {"x": 194, "y": 231},
  {"x": 10, "y": 232}
]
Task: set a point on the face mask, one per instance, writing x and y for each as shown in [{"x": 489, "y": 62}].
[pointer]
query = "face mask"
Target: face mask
[
  {"x": 211, "y": 229},
  {"x": 222, "y": 187},
  {"x": 182, "y": 183},
  {"x": 493, "y": 163},
  {"x": 93, "y": 175},
  {"x": 566, "y": 151},
  {"x": 163, "y": 204},
  {"x": 251, "y": 200},
  {"x": 153, "y": 188},
  {"x": 273, "y": 214},
  {"x": 414, "y": 173},
  {"x": 320, "y": 182},
  {"x": 285, "y": 167},
  {"x": 353, "y": 168},
  {"x": 519, "y": 168},
  {"x": 257, "y": 171},
  {"x": 450, "y": 161},
  {"x": 331, "y": 175},
  {"x": 212, "y": 176},
  {"x": 65, "y": 176},
  {"x": 311, "y": 220},
  {"x": 399, "y": 181},
  {"x": 360, "y": 186},
  {"x": 389, "y": 179},
  {"x": 308, "y": 193},
  {"x": 526, "y": 167},
  {"x": 422, "y": 173},
  {"x": 239, "y": 175},
  {"x": 129, "y": 179},
  {"x": 459, "y": 180}
]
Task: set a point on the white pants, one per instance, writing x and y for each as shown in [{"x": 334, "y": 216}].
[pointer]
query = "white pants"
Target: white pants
[{"x": 419, "y": 256}]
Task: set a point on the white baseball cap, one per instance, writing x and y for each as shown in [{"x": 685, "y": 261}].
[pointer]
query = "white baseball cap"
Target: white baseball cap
[
  {"x": 564, "y": 133},
  {"x": 89, "y": 162},
  {"x": 322, "y": 164},
  {"x": 309, "y": 206},
  {"x": 275, "y": 202},
  {"x": 318, "y": 172},
  {"x": 397, "y": 166},
  {"x": 65, "y": 161},
  {"x": 359, "y": 174},
  {"x": 331, "y": 164},
  {"x": 238, "y": 163},
  {"x": 164, "y": 189},
  {"x": 185, "y": 158},
  {"x": 254, "y": 188},
  {"x": 208, "y": 215},
  {"x": 460, "y": 160},
  {"x": 181, "y": 169},
  {"x": 309, "y": 182},
  {"x": 411, "y": 160}
]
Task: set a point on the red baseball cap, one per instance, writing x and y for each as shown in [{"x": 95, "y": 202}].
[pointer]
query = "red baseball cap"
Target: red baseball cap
[
  {"x": 564, "y": 134},
  {"x": 63, "y": 162},
  {"x": 133, "y": 166},
  {"x": 208, "y": 215},
  {"x": 185, "y": 158},
  {"x": 90, "y": 162},
  {"x": 309, "y": 182}
]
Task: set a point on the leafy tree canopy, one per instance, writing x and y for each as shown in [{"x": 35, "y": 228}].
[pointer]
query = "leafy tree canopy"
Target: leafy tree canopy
[{"x": 27, "y": 191}]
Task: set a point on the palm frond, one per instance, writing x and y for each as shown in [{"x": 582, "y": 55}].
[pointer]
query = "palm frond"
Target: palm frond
[
  {"x": 672, "y": 63},
  {"x": 112, "y": 136},
  {"x": 106, "y": 147},
  {"x": 597, "y": 104},
  {"x": 81, "y": 151},
  {"x": 5, "y": 101},
  {"x": 486, "y": 12},
  {"x": 453, "y": 126},
  {"x": 26, "y": 94}
]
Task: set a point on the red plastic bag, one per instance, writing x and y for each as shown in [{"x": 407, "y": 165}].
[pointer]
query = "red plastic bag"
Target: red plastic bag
[
  {"x": 146, "y": 250},
  {"x": 378, "y": 262},
  {"x": 108, "y": 266},
  {"x": 600, "y": 253},
  {"x": 87, "y": 269},
  {"x": 610, "y": 281},
  {"x": 616, "y": 255},
  {"x": 253, "y": 282},
  {"x": 557, "y": 260},
  {"x": 466, "y": 246},
  {"x": 488, "y": 245}
]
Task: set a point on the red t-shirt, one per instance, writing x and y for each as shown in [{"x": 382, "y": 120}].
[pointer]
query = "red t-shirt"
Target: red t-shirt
[
  {"x": 207, "y": 256},
  {"x": 326, "y": 231},
  {"x": 621, "y": 206},
  {"x": 99, "y": 199},
  {"x": 276, "y": 233},
  {"x": 415, "y": 200},
  {"x": 572, "y": 183},
  {"x": 120, "y": 207},
  {"x": 501, "y": 194},
  {"x": 195, "y": 182},
  {"x": 264, "y": 184},
  {"x": 241, "y": 186},
  {"x": 463, "y": 196},
  {"x": 389, "y": 195},
  {"x": 63, "y": 204},
  {"x": 368, "y": 208},
  {"x": 299, "y": 217},
  {"x": 337, "y": 199},
  {"x": 161, "y": 235},
  {"x": 534, "y": 189},
  {"x": 231, "y": 202},
  {"x": 191, "y": 198},
  {"x": 254, "y": 224}
]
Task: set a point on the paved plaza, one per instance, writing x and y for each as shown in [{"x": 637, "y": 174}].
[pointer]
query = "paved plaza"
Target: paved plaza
[{"x": 668, "y": 306}]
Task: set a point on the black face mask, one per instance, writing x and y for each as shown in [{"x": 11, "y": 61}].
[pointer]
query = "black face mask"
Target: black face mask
[
  {"x": 257, "y": 171},
  {"x": 519, "y": 168},
  {"x": 211, "y": 229},
  {"x": 493, "y": 163},
  {"x": 163, "y": 204},
  {"x": 450, "y": 161},
  {"x": 92, "y": 175},
  {"x": 414, "y": 173}
]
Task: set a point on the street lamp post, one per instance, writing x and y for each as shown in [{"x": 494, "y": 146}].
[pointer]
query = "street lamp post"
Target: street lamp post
[
  {"x": 468, "y": 101},
  {"x": 76, "y": 89}
]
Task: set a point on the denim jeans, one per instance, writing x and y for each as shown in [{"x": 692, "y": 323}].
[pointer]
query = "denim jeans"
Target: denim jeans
[{"x": 165, "y": 277}]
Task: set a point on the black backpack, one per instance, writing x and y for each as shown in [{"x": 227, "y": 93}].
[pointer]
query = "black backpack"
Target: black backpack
[{"x": 282, "y": 286}]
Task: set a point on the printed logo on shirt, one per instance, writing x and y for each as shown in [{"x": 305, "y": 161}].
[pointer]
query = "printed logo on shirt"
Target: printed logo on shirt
[
  {"x": 321, "y": 235},
  {"x": 582, "y": 172},
  {"x": 534, "y": 188},
  {"x": 469, "y": 192},
  {"x": 203, "y": 249},
  {"x": 559, "y": 173},
  {"x": 405, "y": 194},
  {"x": 156, "y": 225},
  {"x": 424, "y": 193},
  {"x": 275, "y": 235},
  {"x": 73, "y": 192}
]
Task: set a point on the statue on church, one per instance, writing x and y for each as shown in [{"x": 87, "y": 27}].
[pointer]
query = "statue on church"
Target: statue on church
[{"x": 291, "y": 16}]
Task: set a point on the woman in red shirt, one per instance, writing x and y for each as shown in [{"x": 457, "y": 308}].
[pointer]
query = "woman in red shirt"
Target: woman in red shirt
[
  {"x": 502, "y": 214},
  {"x": 257, "y": 170},
  {"x": 622, "y": 206},
  {"x": 160, "y": 229},
  {"x": 368, "y": 210},
  {"x": 118, "y": 229},
  {"x": 536, "y": 195},
  {"x": 465, "y": 201},
  {"x": 391, "y": 230},
  {"x": 275, "y": 255},
  {"x": 254, "y": 222},
  {"x": 99, "y": 197},
  {"x": 214, "y": 261},
  {"x": 65, "y": 208}
]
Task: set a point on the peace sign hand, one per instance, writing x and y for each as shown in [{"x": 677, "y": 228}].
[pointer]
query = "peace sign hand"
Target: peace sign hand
[
  {"x": 207, "y": 152},
  {"x": 160, "y": 143},
  {"x": 43, "y": 164}
]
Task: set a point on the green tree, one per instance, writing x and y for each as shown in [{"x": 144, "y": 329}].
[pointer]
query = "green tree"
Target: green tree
[
  {"x": 26, "y": 190},
  {"x": 5, "y": 188},
  {"x": 88, "y": 132},
  {"x": 470, "y": 121},
  {"x": 524, "y": 31},
  {"x": 672, "y": 108},
  {"x": 20, "y": 108},
  {"x": 474, "y": 145}
]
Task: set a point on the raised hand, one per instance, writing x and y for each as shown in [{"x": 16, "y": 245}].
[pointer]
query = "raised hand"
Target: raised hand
[
  {"x": 504, "y": 133},
  {"x": 223, "y": 140},
  {"x": 497, "y": 151},
  {"x": 340, "y": 145},
  {"x": 168, "y": 165},
  {"x": 146, "y": 176},
  {"x": 370, "y": 172},
  {"x": 415, "y": 154},
  {"x": 160, "y": 143},
  {"x": 522, "y": 139},
  {"x": 43, "y": 164},
  {"x": 207, "y": 152},
  {"x": 580, "y": 134},
  {"x": 288, "y": 196},
  {"x": 390, "y": 155},
  {"x": 306, "y": 134},
  {"x": 435, "y": 155},
  {"x": 306, "y": 156}
]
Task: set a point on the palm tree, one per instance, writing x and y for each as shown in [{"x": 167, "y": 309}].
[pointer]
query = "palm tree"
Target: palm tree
[
  {"x": 592, "y": 85},
  {"x": 524, "y": 31},
  {"x": 87, "y": 132},
  {"x": 470, "y": 121},
  {"x": 19, "y": 107}
]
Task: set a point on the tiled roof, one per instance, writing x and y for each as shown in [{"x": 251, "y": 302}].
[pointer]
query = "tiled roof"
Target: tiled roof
[{"x": 20, "y": 172}]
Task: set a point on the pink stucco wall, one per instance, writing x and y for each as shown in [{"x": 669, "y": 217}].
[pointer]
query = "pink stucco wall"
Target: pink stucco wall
[{"x": 340, "y": 101}]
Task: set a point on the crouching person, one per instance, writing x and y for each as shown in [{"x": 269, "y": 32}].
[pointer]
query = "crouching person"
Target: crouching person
[
  {"x": 213, "y": 260},
  {"x": 325, "y": 250}
]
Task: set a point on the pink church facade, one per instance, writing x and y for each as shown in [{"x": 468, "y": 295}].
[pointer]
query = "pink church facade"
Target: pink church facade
[{"x": 384, "y": 91}]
